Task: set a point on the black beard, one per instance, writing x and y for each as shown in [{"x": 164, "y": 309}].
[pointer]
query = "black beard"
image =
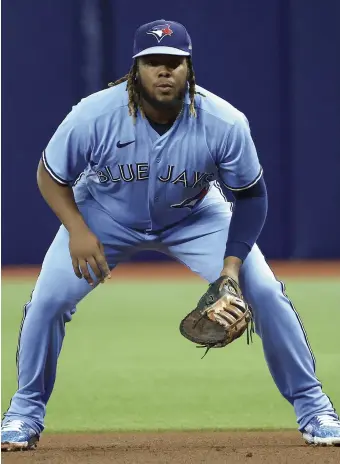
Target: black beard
[{"x": 175, "y": 103}]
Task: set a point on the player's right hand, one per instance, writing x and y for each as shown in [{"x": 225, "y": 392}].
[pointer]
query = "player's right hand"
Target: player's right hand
[{"x": 86, "y": 249}]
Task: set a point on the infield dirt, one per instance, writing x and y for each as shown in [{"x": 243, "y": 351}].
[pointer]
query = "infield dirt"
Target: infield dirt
[{"x": 177, "y": 448}]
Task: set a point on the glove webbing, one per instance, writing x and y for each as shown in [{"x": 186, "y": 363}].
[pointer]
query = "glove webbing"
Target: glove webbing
[{"x": 250, "y": 332}]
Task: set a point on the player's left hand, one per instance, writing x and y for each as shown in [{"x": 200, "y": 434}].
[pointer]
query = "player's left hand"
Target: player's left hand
[{"x": 221, "y": 316}]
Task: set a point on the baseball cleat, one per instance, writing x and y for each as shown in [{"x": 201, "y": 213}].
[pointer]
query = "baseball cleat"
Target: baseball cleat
[
  {"x": 322, "y": 430},
  {"x": 17, "y": 436}
]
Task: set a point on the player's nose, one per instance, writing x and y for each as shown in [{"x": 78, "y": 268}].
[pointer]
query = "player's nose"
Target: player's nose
[{"x": 164, "y": 72}]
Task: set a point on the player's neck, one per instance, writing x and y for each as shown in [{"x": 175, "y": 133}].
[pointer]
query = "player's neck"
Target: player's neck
[{"x": 161, "y": 115}]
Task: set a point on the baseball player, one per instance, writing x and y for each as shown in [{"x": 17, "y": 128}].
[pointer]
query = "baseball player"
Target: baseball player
[{"x": 148, "y": 164}]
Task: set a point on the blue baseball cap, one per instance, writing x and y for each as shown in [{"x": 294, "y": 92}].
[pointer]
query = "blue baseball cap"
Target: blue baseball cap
[{"x": 162, "y": 37}]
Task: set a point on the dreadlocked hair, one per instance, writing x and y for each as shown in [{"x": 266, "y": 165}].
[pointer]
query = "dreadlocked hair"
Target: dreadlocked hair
[
  {"x": 131, "y": 87},
  {"x": 192, "y": 87},
  {"x": 134, "y": 97}
]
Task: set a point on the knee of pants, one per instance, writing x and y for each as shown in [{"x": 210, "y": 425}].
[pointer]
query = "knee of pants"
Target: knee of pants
[
  {"x": 265, "y": 296},
  {"x": 263, "y": 301},
  {"x": 49, "y": 307}
]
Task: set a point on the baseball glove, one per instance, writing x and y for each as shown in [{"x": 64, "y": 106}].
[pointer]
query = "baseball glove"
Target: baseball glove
[{"x": 221, "y": 316}]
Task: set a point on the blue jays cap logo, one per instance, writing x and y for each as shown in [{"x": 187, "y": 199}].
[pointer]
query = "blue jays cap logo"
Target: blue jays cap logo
[{"x": 161, "y": 31}]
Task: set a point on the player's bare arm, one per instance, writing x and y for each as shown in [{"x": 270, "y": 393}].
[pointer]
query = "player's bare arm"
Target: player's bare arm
[
  {"x": 231, "y": 267},
  {"x": 85, "y": 248}
]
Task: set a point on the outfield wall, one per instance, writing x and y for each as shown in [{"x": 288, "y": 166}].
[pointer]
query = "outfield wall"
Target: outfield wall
[{"x": 275, "y": 60}]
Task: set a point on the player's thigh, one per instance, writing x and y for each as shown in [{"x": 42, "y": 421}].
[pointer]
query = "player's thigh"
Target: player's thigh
[
  {"x": 118, "y": 241},
  {"x": 58, "y": 287},
  {"x": 199, "y": 242}
]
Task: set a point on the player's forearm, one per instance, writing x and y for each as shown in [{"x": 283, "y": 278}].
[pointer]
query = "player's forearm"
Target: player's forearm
[
  {"x": 246, "y": 224},
  {"x": 60, "y": 199}
]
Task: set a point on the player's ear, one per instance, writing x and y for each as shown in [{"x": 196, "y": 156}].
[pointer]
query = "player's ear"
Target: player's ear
[
  {"x": 188, "y": 67},
  {"x": 137, "y": 69}
]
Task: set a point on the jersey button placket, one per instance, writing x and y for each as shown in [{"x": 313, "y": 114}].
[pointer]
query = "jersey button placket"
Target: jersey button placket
[
  {"x": 154, "y": 172},
  {"x": 160, "y": 188}
]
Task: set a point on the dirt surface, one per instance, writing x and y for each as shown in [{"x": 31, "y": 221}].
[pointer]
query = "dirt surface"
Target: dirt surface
[
  {"x": 166, "y": 270},
  {"x": 177, "y": 448}
]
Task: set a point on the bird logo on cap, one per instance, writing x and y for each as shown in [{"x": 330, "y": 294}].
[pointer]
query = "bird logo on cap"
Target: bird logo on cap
[{"x": 161, "y": 31}]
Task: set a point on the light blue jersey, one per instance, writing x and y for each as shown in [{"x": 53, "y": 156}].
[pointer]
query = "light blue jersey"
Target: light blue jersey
[{"x": 145, "y": 180}]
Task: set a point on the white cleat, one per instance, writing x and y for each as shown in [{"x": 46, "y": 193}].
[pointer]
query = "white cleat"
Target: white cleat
[
  {"x": 17, "y": 436},
  {"x": 322, "y": 430}
]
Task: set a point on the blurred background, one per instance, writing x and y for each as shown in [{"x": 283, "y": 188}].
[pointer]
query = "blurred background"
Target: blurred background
[{"x": 275, "y": 60}]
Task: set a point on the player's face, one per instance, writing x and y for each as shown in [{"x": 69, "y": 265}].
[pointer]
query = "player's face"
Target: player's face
[{"x": 163, "y": 79}]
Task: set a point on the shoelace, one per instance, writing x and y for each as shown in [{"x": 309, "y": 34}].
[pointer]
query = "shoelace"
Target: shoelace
[
  {"x": 328, "y": 421},
  {"x": 13, "y": 426}
]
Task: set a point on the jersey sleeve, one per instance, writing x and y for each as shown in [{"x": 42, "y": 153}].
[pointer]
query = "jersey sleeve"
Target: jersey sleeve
[
  {"x": 66, "y": 154},
  {"x": 239, "y": 166}
]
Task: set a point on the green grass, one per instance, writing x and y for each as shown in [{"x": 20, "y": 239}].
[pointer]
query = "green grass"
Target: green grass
[{"x": 125, "y": 366}]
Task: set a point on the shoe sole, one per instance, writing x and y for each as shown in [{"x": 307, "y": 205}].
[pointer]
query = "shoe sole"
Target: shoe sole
[
  {"x": 20, "y": 446},
  {"x": 317, "y": 441}
]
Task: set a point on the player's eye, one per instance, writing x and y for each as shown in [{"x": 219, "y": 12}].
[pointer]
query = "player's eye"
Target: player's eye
[
  {"x": 175, "y": 63},
  {"x": 171, "y": 63},
  {"x": 152, "y": 62}
]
